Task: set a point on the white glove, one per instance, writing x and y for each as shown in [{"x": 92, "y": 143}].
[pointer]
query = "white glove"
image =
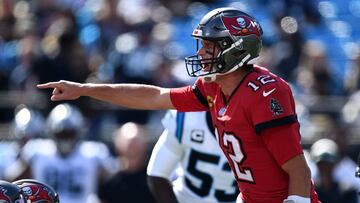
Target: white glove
[{"x": 296, "y": 199}]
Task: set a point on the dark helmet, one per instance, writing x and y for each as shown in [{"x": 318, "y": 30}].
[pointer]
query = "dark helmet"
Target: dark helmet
[
  {"x": 10, "y": 193},
  {"x": 236, "y": 33},
  {"x": 324, "y": 150},
  {"x": 37, "y": 192}
]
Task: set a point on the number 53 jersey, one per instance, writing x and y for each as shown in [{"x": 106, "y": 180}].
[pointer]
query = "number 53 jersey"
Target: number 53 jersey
[{"x": 189, "y": 147}]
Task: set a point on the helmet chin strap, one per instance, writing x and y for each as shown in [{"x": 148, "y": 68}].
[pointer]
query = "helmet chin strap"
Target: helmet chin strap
[
  {"x": 212, "y": 77},
  {"x": 238, "y": 65}
]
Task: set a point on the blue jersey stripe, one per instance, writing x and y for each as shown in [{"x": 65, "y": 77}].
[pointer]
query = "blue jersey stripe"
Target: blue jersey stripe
[{"x": 180, "y": 116}]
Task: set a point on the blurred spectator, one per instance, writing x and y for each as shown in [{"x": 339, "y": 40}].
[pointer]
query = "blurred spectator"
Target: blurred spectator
[
  {"x": 111, "y": 24},
  {"x": 74, "y": 168},
  {"x": 64, "y": 56},
  {"x": 345, "y": 167},
  {"x": 145, "y": 50},
  {"x": 352, "y": 75},
  {"x": 314, "y": 75},
  {"x": 351, "y": 110},
  {"x": 7, "y": 42},
  {"x": 325, "y": 154},
  {"x": 22, "y": 77},
  {"x": 177, "y": 8},
  {"x": 45, "y": 12},
  {"x": 164, "y": 74},
  {"x": 6, "y": 20},
  {"x": 287, "y": 50},
  {"x": 340, "y": 132},
  {"x": 129, "y": 184}
]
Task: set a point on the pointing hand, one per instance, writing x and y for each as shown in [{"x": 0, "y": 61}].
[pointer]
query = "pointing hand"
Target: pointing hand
[{"x": 63, "y": 90}]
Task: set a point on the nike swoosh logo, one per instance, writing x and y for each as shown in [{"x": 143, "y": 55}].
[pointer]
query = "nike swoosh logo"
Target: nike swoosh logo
[{"x": 265, "y": 94}]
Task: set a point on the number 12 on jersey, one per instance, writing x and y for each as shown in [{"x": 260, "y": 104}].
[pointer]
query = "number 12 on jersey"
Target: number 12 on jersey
[{"x": 232, "y": 147}]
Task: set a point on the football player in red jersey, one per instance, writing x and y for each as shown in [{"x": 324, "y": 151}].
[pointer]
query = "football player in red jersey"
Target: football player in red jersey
[{"x": 253, "y": 110}]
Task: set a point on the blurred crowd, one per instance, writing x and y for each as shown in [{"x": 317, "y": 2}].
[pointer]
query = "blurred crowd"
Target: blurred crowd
[{"x": 313, "y": 44}]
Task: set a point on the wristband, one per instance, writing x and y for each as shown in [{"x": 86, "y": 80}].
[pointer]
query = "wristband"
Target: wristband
[{"x": 296, "y": 199}]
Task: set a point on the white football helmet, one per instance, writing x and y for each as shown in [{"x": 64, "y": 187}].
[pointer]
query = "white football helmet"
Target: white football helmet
[{"x": 65, "y": 124}]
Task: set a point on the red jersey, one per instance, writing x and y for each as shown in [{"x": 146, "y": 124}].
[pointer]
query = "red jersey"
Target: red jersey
[{"x": 261, "y": 101}]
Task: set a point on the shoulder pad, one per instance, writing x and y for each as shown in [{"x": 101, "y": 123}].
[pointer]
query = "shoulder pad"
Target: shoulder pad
[{"x": 38, "y": 147}]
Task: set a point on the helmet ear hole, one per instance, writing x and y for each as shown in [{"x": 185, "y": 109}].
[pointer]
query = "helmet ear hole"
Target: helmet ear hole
[
  {"x": 221, "y": 66},
  {"x": 225, "y": 43}
]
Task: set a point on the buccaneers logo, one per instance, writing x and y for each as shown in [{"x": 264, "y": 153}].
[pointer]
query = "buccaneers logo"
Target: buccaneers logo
[
  {"x": 275, "y": 107},
  {"x": 37, "y": 193},
  {"x": 241, "y": 25}
]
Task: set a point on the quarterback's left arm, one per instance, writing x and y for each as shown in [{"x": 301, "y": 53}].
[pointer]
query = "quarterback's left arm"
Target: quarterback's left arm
[
  {"x": 284, "y": 143},
  {"x": 299, "y": 178},
  {"x": 275, "y": 120}
]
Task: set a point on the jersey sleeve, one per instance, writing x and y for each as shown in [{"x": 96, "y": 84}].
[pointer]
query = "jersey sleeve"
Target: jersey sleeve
[
  {"x": 272, "y": 112},
  {"x": 168, "y": 150},
  {"x": 189, "y": 98},
  {"x": 271, "y": 106},
  {"x": 283, "y": 142}
]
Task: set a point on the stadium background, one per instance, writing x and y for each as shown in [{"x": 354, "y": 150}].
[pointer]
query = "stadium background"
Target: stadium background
[{"x": 313, "y": 44}]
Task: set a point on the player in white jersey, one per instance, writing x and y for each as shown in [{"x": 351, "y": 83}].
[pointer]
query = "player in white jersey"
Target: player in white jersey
[
  {"x": 28, "y": 123},
  {"x": 71, "y": 166},
  {"x": 188, "y": 143}
]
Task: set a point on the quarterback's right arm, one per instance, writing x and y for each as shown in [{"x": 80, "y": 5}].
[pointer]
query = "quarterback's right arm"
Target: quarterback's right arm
[
  {"x": 166, "y": 154},
  {"x": 138, "y": 96}
]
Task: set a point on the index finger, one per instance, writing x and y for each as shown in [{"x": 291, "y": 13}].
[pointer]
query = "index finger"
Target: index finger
[{"x": 48, "y": 85}]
